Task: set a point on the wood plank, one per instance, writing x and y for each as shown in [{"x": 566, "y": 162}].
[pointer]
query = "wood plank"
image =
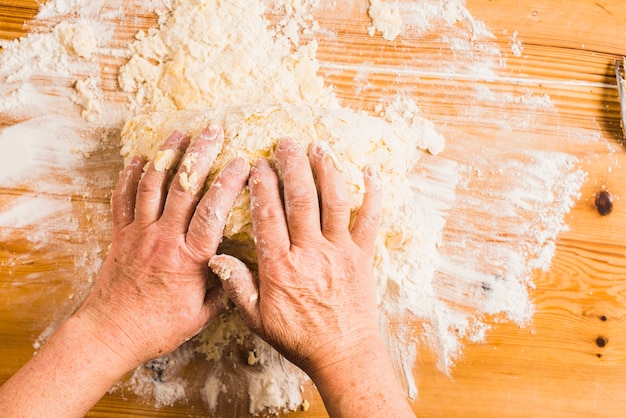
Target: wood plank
[{"x": 14, "y": 14}]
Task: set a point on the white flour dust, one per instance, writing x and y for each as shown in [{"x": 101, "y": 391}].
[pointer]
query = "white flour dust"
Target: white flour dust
[
  {"x": 459, "y": 244},
  {"x": 517, "y": 48}
]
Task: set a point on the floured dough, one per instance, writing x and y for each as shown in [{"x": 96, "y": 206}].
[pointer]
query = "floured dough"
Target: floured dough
[
  {"x": 77, "y": 38},
  {"x": 252, "y": 132},
  {"x": 215, "y": 61},
  {"x": 85, "y": 97}
]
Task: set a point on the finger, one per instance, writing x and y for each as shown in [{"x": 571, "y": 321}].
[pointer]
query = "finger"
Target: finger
[
  {"x": 333, "y": 191},
  {"x": 207, "y": 224},
  {"x": 269, "y": 224},
  {"x": 123, "y": 200},
  {"x": 184, "y": 191},
  {"x": 368, "y": 217},
  {"x": 240, "y": 287},
  {"x": 151, "y": 190},
  {"x": 301, "y": 204}
]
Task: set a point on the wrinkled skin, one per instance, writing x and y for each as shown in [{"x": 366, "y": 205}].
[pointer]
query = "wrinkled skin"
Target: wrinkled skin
[
  {"x": 316, "y": 298},
  {"x": 151, "y": 291}
]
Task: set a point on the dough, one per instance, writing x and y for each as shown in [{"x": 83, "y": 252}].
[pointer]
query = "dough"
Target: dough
[
  {"x": 252, "y": 132},
  {"x": 386, "y": 19}
]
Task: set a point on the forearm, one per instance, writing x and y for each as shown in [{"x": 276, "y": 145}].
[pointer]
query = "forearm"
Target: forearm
[
  {"x": 71, "y": 372},
  {"x": 362, "y": 385}
]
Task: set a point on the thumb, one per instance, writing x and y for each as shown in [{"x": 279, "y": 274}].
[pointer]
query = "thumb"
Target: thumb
[{"x": 240, "y": 286}]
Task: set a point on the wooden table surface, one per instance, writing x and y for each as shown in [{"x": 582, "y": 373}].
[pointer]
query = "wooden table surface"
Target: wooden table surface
[{"x": 570, "y": 361}]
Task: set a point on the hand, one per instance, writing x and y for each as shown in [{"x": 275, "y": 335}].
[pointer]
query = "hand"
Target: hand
[
  {"x": 316, "y": 297},
  {"x": 151, "y": 294}
]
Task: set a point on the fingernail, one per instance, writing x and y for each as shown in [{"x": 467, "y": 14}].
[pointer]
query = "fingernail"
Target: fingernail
[
  {"x": 319, "y": 148},
  {"x": 287, "y": 144},
  {"x": 240, "y": 166},
  {"x": 176, "y": 137},
  {"x": 322, "y": 151},
  {"x": 135, "y": 161},
  {"x": 223, "y": 272},
  {"x": 372, "y": 175},
  {"x": 260, "y": 165},
  {"x": 211, "y": 132},
  {"x": 258, "y": 171}
]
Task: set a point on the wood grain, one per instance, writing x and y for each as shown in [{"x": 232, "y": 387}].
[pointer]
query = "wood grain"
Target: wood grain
[{"x": 571, "y": 360}]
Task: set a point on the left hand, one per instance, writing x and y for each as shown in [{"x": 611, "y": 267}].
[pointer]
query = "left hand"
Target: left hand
[
  {"x": 315, "y": 301},
  {"x": 151, "y": 294}
]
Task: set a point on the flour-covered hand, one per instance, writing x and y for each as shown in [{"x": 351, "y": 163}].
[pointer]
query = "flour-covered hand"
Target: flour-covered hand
[
  {"x": 316, "y": 299},
  {"x": 151, "y": 294}
]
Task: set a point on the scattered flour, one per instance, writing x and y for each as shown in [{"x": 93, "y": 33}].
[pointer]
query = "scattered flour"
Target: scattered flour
[
  {"x": 160, "y": 378},
  {"x": 426, "y": 15},
  {"x": 438, "y": 256},
  {"x": 26, "y": 212},
  {"x": 516, "y": 45},
  {"x": 37, "y": 146}
]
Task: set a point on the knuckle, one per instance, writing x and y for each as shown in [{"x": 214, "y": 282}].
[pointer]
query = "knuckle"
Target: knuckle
[
  {"x": 301, "y": 199},
  {"x": 369, "y": 225},
  {"x": 339, "y": 204},
  {"x": 148, "y": 186},
  {"x": 267, "y": 213},
  {"x": 210, "y": 215}
]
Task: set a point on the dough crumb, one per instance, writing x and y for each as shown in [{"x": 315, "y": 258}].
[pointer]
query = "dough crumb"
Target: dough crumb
[
  {"x": 166, "y": 159},
  {"x": 188, "y": 179},
  {"x": 77, "y": 38},
  {"x": 386, "y": 19},
  {"x": 305, "y": 405},
  {"x": 85, "y": 97},
  {"x": 252, "y": 358},
  {"x": 189, "y": 182}
]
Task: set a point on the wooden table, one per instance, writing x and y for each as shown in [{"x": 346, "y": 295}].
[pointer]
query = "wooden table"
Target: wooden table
[{"x": 571, "y": 360}]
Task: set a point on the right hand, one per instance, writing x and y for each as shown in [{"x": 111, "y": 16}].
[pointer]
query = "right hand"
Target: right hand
[{"x": 316, "y": 296}]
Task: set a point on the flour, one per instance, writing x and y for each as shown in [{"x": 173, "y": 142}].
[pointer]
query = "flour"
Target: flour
[
  {"x": 28, "y": 213},
  {"x": 160, "y": 378},
  {"x": 273, "y": 384},
  {"x": 36, "y": 146},
  {"x": 404, "y": 113},
  {"x": 43, "y": 53},
  {"x": 438, "y": 257},
  {"x": 516, "y": 45},
  {"x": 425, "y": 15}
]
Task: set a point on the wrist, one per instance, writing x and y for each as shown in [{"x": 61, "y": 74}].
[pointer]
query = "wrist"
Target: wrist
[
  {"x": 69, "y": 374},
  {"x": 345, "y": 353},
  {"x": 354, "y": 358},
  {"x": 362, "y": 383},
  {"x": 107, "y": 345}
]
